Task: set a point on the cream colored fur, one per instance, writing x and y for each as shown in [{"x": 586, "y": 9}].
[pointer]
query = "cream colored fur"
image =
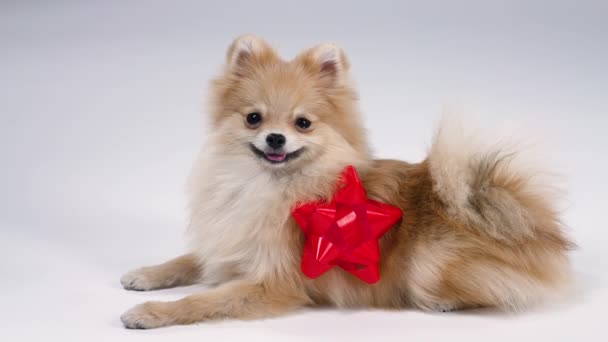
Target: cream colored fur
[{"x": 479, "y": 229}]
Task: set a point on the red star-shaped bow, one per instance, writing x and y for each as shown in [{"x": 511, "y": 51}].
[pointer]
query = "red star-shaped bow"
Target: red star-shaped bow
[{"x": 345, "y": 231}]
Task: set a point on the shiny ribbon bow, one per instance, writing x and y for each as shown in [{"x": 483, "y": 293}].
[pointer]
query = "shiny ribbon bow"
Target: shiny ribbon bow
[{"x": 345, "y": 231}]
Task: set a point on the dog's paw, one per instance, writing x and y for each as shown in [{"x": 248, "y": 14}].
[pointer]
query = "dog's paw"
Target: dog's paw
[
  {"x": 148, "y": 315},
  {"x": 138, "y": 280}
]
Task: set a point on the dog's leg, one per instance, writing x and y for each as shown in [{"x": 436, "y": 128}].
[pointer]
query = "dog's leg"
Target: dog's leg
[
  {"x": 181, "y": 271},
  {"x": 237, "y": 300}
]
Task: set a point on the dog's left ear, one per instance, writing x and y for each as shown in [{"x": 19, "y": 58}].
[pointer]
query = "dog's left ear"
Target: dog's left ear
[
  {"x": 247, "y": 52},
  {"x": 328, "y": 62}
]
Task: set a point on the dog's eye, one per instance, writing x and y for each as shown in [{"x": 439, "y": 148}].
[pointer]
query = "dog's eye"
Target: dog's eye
[
  {"x": 254, "y": 119},
  {"x": 303, "y": 123}
]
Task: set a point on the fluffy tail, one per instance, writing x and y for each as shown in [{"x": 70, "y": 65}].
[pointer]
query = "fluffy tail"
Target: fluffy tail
[
  {"x": 508, "y": 203},
  {"x": 492, "y": 186}
]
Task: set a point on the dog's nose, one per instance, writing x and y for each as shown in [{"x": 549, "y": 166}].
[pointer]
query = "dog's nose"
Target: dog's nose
[{"x": 275, "y": 140}]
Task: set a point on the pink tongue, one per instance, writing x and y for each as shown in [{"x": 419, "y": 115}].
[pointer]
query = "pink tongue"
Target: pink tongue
[{"x": 276, "y": 157}]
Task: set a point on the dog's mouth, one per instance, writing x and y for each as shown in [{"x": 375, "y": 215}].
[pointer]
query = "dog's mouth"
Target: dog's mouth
[{"x": 275, "y": 157}]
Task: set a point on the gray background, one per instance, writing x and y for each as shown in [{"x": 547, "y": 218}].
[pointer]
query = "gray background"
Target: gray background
[{"x": 101, "y": 116}]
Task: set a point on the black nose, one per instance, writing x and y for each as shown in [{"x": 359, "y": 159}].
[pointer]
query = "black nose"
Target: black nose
[{"x": 275, "y": 140}]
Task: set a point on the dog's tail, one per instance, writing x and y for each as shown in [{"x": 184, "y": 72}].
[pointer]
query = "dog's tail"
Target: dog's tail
[
  {"x": 491, "y": 186},
  {"x": 491, "y": 190}
]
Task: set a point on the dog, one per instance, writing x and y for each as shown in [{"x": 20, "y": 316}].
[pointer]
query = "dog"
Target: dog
[{"x": 479, "y": 229}]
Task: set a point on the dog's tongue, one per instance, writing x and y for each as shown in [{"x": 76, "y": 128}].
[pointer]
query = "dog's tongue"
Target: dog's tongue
[{"x": 275, "y": 157}]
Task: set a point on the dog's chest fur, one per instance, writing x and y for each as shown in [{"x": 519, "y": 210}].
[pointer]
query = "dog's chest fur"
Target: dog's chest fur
[{"x": 240, "y": 223}]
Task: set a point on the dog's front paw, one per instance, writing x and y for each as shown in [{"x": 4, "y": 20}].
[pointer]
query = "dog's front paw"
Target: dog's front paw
[
  {"x": 148, "y": 315},
  {"x": 137, "y": 280}
]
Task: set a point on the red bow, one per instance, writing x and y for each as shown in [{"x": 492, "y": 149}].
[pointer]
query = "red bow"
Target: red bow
[{"x": 345, "y": 231}]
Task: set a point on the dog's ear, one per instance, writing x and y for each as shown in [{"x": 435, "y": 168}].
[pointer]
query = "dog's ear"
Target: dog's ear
[
  {"x": 246, "y": 52},
  {"x": 328, "y": 62}
]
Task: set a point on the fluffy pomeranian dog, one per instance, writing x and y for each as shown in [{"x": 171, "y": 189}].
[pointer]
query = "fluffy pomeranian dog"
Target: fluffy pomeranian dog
[{"x": 477, "y": 230}]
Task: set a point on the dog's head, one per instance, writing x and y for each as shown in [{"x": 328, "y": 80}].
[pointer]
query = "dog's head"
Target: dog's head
[{"x": 287, "y": 115}]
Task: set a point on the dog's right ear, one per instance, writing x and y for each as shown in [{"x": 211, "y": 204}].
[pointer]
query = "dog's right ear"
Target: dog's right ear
[
  {"x": 246, "y": 52},
  {"x": 328, "y": 62}
]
